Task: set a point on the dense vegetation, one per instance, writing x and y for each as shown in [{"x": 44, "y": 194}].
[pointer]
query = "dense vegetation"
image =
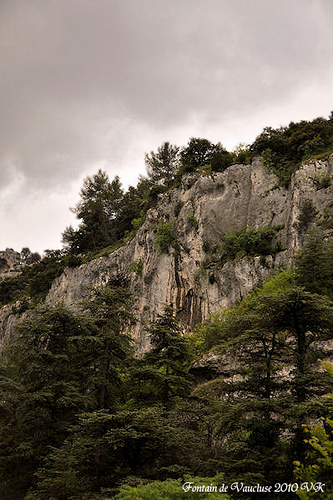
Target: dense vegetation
[
  {"x": 283, "y": 149},
  {"x": 83, "y": 418},
  {"x": 108, "y": 216}
]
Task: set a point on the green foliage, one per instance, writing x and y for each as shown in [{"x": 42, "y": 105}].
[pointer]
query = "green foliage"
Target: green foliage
[
  {"x": 162, "y": 166},
  {"x": 107, "y": 214},
  {"x": 58, "y": 365},
  {"x": 136, "y": 267},
  {"x": 250, "y": 241},
  {"x": 314, "y": 264},
  {"x": 168, "y": 355},
  {"x": 136, "y": 223},
  {"x": 34, "y": 280},
  {"x": 283, "y": 149},
  {"x": 44, "y": 383},
  {"x": 201, "y": 152},
  {"x": 179, "y": 205},
  {"x": 327, "y": 219},
  {"x": 27, "y": 257},
  {"x": 255, "y": 409},
  {"x": 307, "y": 215},
  {"x": 82, "y": 418},
  {"x": 318, "y": 464},
  {"x": 110, "y": 308},
  {"x": 171, "y": 489},
  {"x": 206, "y": 246},
  {"x": 166, "y": 235},
  {"x": 192, "y": 221},
  {"x": 322, "y": 180},
  {"x": 97, "y": 209},
  {"x": 241, "y": 154}
]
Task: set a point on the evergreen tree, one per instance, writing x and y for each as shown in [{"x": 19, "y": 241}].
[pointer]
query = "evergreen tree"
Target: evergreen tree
[
  {"x": 97, "y": 211},
  {"x": 314, "y": 264},
  {"x": 278, "y": 326},
  {"x": 110, "y": 309},
  {"x": 162, "y": 166},
  {"x": 318, "y": 463},
  {"x": 43, "y": 385},
  {"x": 168, "y": 356}
]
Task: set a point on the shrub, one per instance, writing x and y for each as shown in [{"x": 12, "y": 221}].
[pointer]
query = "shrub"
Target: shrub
[
  {"x": 171, "y": 489},
  {"x": 206, "y": 246},
  {"x": 136, "y": 267},
  {"x": 165, "y": 236},
  {"x": 283, "y": 149},
  {"x": 322, "y": 180},
  {"x": 192, "y": 221},
  {"x": 250, "y": 241},
  {"x": 327, "y": 221},
  {"x": 306, "y": 215},
  {"x": 136, "y": 223}
]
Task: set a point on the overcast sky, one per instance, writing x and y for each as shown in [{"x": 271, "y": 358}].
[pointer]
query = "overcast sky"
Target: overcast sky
[{"x": 89, "y": 84}]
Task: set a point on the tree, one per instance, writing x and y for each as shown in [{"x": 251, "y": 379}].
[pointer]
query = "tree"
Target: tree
[
  {"x": 318, "y": 464},
  {"x": 44, "y": 383},
  {"x": 314, "y": 264},
  {"x": 197, "y": 153},
  {"x": 278, "y": 327},
  {"x": 110, "y": 309},
  {"x": 97, "y": 209},
  {"x": 162, "y": 166},
  {"x": 168, "y": 355},
  {"x": 28, "y": 257},
  {"x": 201, "y": 152},
  {"x": 58, "y": 365}
]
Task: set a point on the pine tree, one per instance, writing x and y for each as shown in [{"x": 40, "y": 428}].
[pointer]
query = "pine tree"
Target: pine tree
[
  {"x": 168, "y": 356},
  {"x": 97, "y": 211},
  {"x": 162, "y": 166},
  {"x": 43, "y": 385},
  {"x": 278, "y": 326}
]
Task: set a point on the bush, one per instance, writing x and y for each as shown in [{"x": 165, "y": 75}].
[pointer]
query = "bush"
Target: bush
[
  {"x": 171, "y": 489},
  {"x": 283, "y": 149},
  {"x": 165, "y": 236},
  {"x": 136, "y": 267},
  {"x": 250, "y": 241},
  {"x": 322, "y": 180},
  {"x": 192, "y": 221},
  {"x": 306, "y": 215},
  {"x": 136, "y": 223},
  {"x": 327, "y": 220}
]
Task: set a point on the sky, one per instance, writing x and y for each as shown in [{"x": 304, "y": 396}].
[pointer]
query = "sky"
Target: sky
[{"x": 96, "y": 84}]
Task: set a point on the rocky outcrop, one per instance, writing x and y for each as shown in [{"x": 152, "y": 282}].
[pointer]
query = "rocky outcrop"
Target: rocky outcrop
[
  {"x": 9, "y": 262},
  {"x": 203, "y": 208}
]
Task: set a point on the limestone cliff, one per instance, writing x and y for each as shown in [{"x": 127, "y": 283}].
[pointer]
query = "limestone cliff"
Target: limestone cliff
[
  {"x": 9, "y": 262},
  {"x": 203, "y": 208}
]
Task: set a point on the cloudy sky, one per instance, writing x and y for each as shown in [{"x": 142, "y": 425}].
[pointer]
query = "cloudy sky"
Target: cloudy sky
[{"x": 89, "y": 84}]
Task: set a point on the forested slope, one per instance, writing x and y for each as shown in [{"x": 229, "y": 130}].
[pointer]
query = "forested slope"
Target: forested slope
[{"x": 218, "y": 270}]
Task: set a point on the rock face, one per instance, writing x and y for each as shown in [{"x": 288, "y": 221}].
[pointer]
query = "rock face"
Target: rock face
[
  {"x": 9, "y": 262},
  {"x": 203, "y": 208}
]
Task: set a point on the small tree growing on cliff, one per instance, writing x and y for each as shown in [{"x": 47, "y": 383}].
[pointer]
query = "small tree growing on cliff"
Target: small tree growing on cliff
[
  {"x": 97, "y": 211},
  {"x": 162, "y": 166}
]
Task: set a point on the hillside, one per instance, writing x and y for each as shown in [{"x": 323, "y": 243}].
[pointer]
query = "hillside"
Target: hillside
[
  {"x": 184, "y": 338},
  {"x": 189, "y": 272}
]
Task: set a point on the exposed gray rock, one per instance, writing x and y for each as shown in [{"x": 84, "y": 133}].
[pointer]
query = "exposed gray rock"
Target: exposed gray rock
[
  {"x": 243, "y": 195},
  {"x": 9, "y": 262}
]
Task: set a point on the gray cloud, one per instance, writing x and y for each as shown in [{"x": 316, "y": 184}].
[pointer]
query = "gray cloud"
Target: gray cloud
[{"x": 99, "y": 82}]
